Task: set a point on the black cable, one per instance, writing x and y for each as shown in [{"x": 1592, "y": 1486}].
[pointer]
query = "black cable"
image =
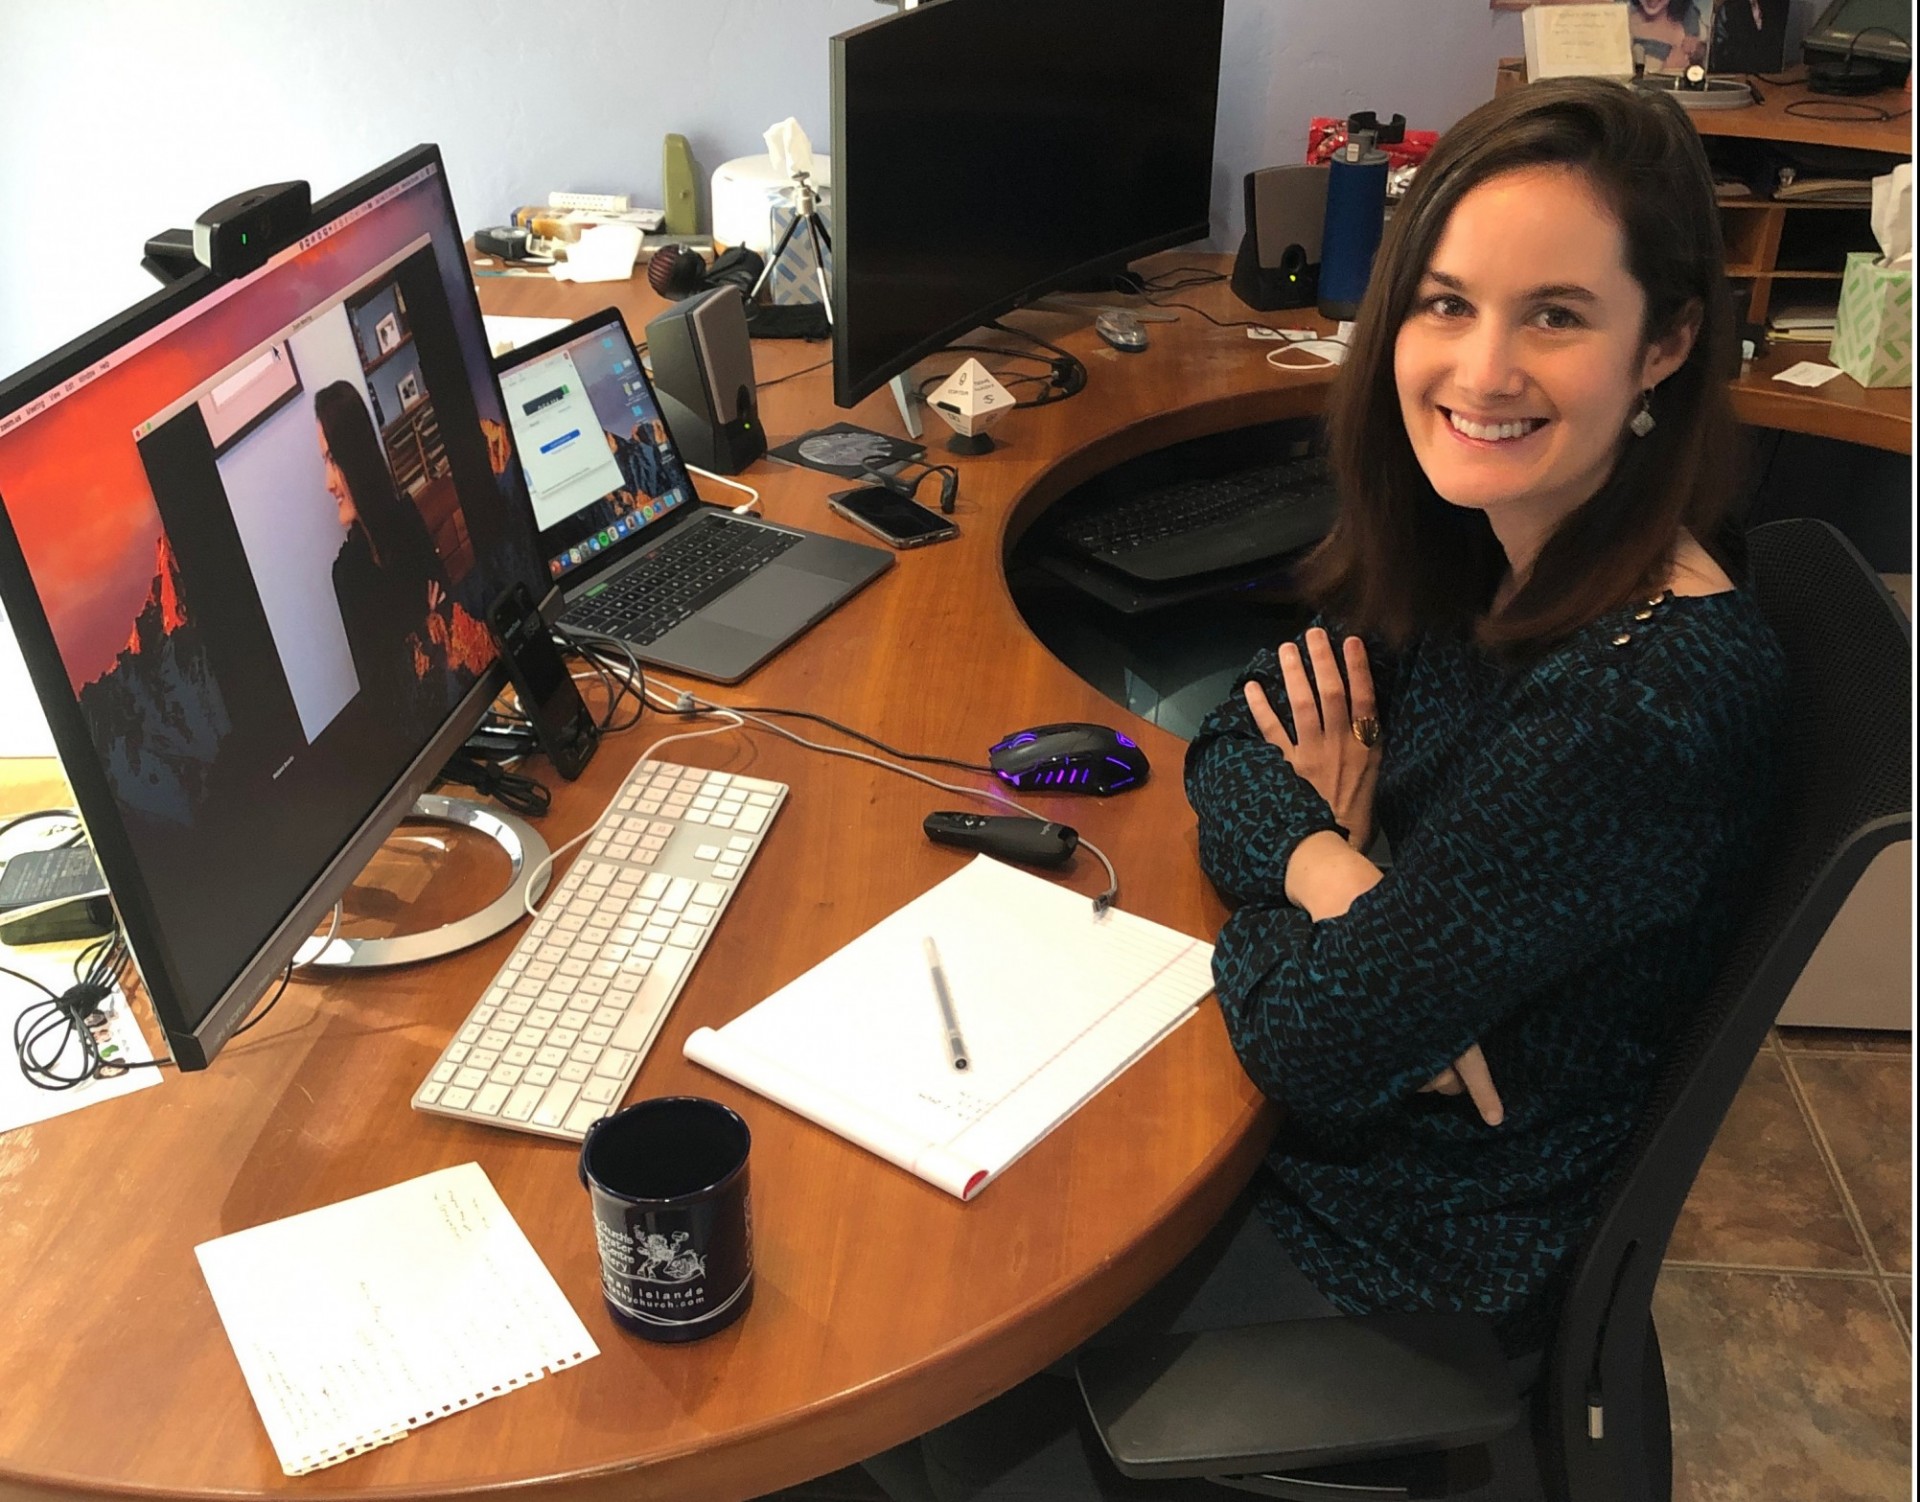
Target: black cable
[
  {"x": 261, "y": 1016},
  {"x": 624, "y": 677},
  {"x": 1219, "y": 323},
  {"x": 1069, "y": 372},
  {"x": 793, "y": 374},
  {"x": 525, "y": 795},
  {"x": 1189, "y": 276},
  {"x": 69, "y": 1017},
  {"x": 910, "y": 489},
  {"x": 39, "y": 814}
]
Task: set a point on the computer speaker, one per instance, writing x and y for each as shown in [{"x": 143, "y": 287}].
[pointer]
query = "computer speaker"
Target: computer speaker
[
  {"x": 703, "y": 374},
  {"x": 1279, "y": 261}
]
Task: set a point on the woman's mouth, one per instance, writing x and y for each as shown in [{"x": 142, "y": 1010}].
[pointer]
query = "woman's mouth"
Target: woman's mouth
[{"x": 1508, "y": 431}]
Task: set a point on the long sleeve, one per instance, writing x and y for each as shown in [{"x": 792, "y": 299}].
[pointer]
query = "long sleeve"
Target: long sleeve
[
  {"x": 1567, "y": 835},
  {"x": 1253, "y": 807}
]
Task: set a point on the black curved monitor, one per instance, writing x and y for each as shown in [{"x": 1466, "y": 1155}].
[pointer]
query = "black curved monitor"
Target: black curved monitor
[
  {"x": 988, "y": 151},
  {"x": 248, "y": 534}
]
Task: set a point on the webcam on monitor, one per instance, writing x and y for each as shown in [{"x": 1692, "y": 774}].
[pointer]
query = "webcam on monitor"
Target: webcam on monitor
[{"x": 237, "y": 235}]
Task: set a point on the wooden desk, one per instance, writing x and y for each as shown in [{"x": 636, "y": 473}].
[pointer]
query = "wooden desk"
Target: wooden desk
[{"x": 883, "y": 1305}]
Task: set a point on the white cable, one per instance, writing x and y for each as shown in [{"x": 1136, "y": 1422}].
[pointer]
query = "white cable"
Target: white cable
[
  {"x": 1100, "y": 903},
  {"x": 541, "y": 867},
  {"x": 707, "y": 474},
  {"x": 1326, "y": 353}
]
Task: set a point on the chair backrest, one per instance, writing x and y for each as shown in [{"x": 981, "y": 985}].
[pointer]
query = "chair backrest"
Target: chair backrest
[{"x": 1845, "y": 794}]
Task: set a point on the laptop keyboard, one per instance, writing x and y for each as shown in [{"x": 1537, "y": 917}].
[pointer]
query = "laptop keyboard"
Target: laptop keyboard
[{"x": 645, "y": 600}]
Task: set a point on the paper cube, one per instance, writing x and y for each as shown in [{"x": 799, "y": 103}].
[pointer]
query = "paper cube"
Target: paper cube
[
  {"x": 972, "y": 400},
  {"x": 1873, "y": 331}
]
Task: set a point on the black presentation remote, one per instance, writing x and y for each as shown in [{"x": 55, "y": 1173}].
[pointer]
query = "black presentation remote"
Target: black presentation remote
[{"x": 1032, "y": 842}]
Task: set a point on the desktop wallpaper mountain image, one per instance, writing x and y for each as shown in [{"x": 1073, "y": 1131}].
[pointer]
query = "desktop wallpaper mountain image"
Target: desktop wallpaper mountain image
[{"x": 157, "y": 715}]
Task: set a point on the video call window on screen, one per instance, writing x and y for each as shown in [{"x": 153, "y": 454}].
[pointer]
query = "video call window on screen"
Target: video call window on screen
[{"x": 252, "y": 544}]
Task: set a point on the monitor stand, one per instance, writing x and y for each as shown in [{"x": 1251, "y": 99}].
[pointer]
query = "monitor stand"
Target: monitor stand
[
  {"x": 909, "y": 401},
  {"x": 524, "y": 847}
]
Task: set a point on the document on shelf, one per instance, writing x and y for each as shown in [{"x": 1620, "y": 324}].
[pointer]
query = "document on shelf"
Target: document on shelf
[
  {"x": 1053, "y": 1001},
  {"x": 359, "y": 1321}
]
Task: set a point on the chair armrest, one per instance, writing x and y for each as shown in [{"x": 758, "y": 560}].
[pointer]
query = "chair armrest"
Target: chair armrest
[{"x": 1299, "y": 1393}]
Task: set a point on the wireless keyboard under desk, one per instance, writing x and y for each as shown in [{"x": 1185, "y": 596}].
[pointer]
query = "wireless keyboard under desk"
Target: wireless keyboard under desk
[{"x": 562, "y": 1029}]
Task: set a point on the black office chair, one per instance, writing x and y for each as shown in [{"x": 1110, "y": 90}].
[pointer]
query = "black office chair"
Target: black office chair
[{"x": 1404, "y": 1406}]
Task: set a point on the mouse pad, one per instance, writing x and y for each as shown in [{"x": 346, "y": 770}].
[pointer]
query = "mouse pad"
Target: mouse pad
[{"x": 847, "y": 450}]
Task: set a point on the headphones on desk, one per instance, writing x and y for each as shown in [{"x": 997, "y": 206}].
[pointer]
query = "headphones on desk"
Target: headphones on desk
[{"x": 677, "y": 272}]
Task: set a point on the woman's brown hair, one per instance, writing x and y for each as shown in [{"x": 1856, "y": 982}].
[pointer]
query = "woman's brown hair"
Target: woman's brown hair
[{"x": 1400, "y": 560}]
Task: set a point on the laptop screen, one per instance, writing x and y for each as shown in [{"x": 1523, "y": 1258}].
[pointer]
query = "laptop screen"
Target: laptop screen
[{"x": 599, "y": 461}]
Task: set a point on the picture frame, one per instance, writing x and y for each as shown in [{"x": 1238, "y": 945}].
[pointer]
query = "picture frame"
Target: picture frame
[
  {"x": 387, "y": 333},
  {"x": 408, "y": 389}
]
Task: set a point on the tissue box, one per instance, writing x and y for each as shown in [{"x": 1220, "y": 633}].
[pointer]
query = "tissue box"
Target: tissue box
[
  {"x": 1873, "y": 332},
  {"x": 795, "y": 280}
]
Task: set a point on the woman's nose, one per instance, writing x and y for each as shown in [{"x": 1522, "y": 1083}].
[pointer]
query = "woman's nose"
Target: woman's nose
[{"x": 1489, "y": 363}]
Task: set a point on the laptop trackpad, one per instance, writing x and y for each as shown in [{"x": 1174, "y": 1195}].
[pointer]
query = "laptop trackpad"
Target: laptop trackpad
[{"x": 774, "y": 601}]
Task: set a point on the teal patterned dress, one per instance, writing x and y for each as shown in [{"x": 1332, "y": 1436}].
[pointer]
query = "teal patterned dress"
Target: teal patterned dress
[{"x": 1569, "y": 840}]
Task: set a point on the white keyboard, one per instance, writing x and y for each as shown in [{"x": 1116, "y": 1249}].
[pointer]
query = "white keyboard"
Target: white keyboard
[{"x": 561, "y": 1030}]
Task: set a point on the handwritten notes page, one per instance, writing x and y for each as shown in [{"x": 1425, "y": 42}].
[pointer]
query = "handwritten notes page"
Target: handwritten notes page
[
  {"x": 359, "y": 1321},
  {"x": 1053, "y": 1003}
]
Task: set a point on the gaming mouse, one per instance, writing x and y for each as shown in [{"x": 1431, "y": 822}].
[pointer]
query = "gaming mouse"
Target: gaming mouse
[
  {"x": 1072, "y": 758},
  {"x": 1122, "y": 330}
]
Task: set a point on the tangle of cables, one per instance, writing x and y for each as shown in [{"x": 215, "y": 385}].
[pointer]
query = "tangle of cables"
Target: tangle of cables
[{"x": 63, "y": 1041}]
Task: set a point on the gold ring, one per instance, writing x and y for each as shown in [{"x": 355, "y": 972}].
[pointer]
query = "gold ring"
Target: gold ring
[{"x": 1366, "y": 730}]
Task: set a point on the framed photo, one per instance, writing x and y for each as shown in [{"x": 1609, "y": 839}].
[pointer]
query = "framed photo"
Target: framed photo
[
  {"x": 1670, "y": 36},
  {"x": 1749, "y": 36},
  {"x": 408, "y": 389},
  {"x": 387, "y": 331}
]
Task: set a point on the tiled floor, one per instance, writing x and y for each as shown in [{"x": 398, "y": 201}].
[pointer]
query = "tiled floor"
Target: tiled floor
[{"x": 1785, "y": 1307}]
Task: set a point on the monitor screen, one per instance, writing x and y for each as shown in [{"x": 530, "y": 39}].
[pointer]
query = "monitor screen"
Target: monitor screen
[
  {"x": 987, "y": 151},
  {"x": 599, "y": 461},
  {"x": 248, "y": 534}
]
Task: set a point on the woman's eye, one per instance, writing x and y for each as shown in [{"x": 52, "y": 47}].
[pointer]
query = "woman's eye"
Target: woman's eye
[
  {"x": 1556, "y": 317},
  {"x": 1446, "y": 305}
]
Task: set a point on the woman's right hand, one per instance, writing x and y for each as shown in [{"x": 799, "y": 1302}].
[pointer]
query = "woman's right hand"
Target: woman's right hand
[
  {"x": 1469, "y": 1074},
  {"x": 1325, "y": 747}
]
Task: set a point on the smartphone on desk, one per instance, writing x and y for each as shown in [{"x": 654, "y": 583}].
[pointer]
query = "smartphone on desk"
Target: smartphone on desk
[
  {"x": 892, "y": 517},
  {"x": 565, "y": 727}
]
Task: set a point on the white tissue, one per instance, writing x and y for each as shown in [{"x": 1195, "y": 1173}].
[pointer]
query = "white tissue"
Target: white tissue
[
  {"x": 791, "y": 151},
  {"x": 1893, "y": 216},
  {"x": 604, "y": 253}
]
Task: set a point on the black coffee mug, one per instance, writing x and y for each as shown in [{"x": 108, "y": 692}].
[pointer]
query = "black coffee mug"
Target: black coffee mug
[{"x": 668, "y": 1180}]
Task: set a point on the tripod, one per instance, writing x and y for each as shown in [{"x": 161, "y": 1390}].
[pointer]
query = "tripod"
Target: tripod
[{"x": 807, "y": 212}]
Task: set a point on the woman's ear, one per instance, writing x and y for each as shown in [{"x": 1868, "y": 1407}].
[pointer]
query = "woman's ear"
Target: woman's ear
[{"x": 1669, "y": 352}]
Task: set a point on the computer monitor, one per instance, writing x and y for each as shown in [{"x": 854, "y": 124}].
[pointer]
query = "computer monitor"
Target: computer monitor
[
  {"x": 988, "y": 151},
  {"x": 248, "y": 534}
]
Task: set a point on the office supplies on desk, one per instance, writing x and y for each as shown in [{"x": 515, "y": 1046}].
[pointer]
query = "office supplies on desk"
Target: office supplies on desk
[
  {"x": 638, "y": 555},
  {"x": 359, "y": 1321},
  {"x": 563, "y": 1027},
  {"x": 936, "y": 973},
  {"x": 1058, "y": 1003}
]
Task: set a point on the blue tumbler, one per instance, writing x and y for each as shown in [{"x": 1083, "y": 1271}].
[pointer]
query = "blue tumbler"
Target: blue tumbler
[{"x": 1356, "y": 211}]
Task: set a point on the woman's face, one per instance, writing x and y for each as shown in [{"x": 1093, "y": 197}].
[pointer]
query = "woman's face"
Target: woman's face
[
  {"x": 1521, "y": 361},
  {"x": 337, "y": 483}
]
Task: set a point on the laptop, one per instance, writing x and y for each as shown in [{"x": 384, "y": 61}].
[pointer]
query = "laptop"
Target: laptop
[{"x": 636, "y": 553}]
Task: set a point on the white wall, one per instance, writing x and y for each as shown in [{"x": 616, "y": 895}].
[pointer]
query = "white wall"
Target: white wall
[{"x": 119, "y": 118}]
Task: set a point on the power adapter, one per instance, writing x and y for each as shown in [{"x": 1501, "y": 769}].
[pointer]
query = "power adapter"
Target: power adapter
[{"x": 66, "y": 878}]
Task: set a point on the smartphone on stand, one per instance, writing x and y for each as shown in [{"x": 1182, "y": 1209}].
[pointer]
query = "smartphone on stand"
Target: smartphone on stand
[
  {"x": 891, "y": 517},
  {"x": 564, "y": 726}
]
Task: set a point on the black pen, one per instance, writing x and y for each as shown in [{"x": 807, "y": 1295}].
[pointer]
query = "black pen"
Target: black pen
[{"x": 956, "y": 1044}]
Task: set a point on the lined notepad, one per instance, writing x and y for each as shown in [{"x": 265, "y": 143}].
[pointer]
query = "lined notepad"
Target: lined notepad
[
  {"x": 1054, "y": 1003},
  {"x": 362, "y": 1320}
]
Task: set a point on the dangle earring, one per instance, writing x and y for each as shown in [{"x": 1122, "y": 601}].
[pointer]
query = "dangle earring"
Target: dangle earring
[{"x": 1641, "y": 423}]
